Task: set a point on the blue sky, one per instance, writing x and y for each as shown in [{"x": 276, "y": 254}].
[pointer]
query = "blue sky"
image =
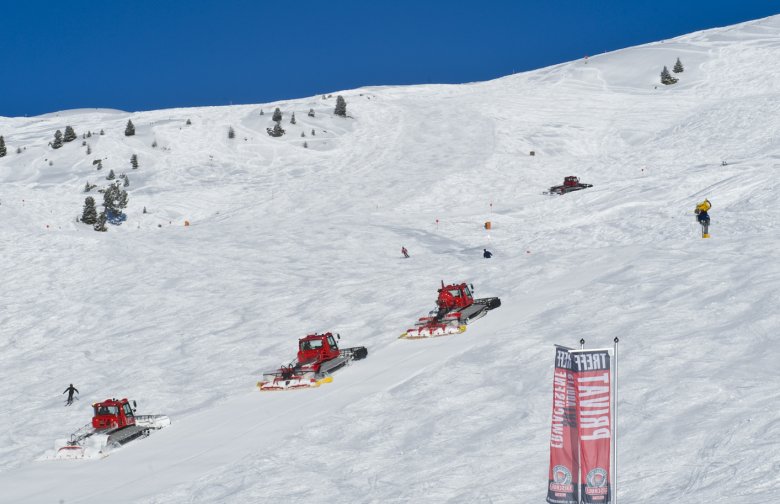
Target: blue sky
[{"x": 143, "y": 55}]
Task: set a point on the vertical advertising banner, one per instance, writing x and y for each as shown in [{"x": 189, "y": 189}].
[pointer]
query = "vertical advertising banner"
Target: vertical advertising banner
[
  {"x": 592, "y": 373},
  {"x": 564, "y": 472}
]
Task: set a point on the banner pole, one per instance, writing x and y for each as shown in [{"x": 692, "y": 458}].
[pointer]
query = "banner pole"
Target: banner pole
[
  {"x": 615, "y": 427},
  {"x": 582, "y": 344}
]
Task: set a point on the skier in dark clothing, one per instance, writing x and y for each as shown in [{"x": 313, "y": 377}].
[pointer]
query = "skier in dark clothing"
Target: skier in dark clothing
[
  {"x": 70, "y": 391},
  {"x": 405, "y": 252},
  {"x": 487, "y": 254},
  {"x": 703, "y": 217}
]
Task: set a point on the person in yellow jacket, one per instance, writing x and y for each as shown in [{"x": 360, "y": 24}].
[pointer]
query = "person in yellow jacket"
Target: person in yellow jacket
[{"x": 703, "y": 217}]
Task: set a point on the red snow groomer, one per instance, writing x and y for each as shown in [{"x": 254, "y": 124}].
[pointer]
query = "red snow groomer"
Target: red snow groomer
[
  {"x": 570, "y": 183},
  {"x": 318, "y": 356},
  {"x": 455, "y": 307},
  {"x": 114, "y": 423}
]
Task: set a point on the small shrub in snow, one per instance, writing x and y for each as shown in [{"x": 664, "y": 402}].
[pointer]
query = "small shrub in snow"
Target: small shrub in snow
[
  {"x": 313, "y": 132},
  {"x": 111, "y": 175},
  {"x": 134, "y": 161},
  {"x": 89, "y": 215},
  {"x": 277, "y": 117},
  {"x": 189, "y": 123},
  {"x": 666, "y": 77},
  {"x": 305, "y": 145},
  {"x": 51, "y": 163},
  {"x": 303, "y": 134},
  {"x": 18, "y": 150},
  {"x": 102, "y": 132},
  {"x": 129, "y": 129},
  {"x": 99, "y": 164},
  {"x": 84, "y": 143},
  {"x": 89, "y": 134},
  {"x": 89, "y": 187},
  {"x": 3, "y": 150},
  {"x": 341, "y": 106},
  {"x": 154, "y": 144},
  {"x": 89, "y": 150},
  {"x": 311, "y": 112},
  {"x": 57, "y": 143},
  {"x": 145, "y": 210},
  {"x": 678, "y": 67},
  {"x": 277, "y": 130},
  {"x": 292, "y": 119},
  {"x": 261, "y": 112},
  {"x": 231, "y": 133},
  {"x": 70, "y": 135}
]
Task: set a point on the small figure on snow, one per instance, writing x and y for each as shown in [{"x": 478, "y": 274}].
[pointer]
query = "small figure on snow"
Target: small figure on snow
[
  {"x": 405, "y": 252},
  {"x": 487, "y": 254},
  {"x": 70, "y": 391},
  {"x": 703, "y": 217}
]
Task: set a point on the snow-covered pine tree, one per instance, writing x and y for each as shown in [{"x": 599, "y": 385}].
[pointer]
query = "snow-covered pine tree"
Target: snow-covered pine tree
[
  {"x": 231, "y": 133},
  {"x": 134, "y": 161},
  {"x": 261, "y": 112},
  {"x": 292, "y": 119},
  {"x": 103, "y": 132},
  {"x": 100, "y": 224},
  {"x": 89, "y": 215},
  {"x": 189, "y": 123},
  {"x": 277, "y": 117},
  {"x": 100, "y": 164},
  {"x": 89, "y": 134},
  {"x": 311, "y": 112},
  {"x": 57, "y": 143},
  {"x": 305, "y": 145},
  {"x": 666, "y": 77},
  {"x": 89, "y": 150},
  {"x": 277, "y": 130},
  {"x": 678, "y": 67},
  {"x": 111, "y": 175},
  {"x": 129, "y": 129},
  {"x": 3, "y": 150},
  {"x": 18, "y": 150},
  {"x": 70, "y": 135},
  {"x": 341, "y": 106},
  {"x": 127, "y": 181}
]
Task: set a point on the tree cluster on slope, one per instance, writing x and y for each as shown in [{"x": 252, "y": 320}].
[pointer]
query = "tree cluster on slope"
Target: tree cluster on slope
[
  {"x": 666, "y": 77},
  {"x": 341, "y": 106},
  {"x": 57, "y": 143},
  {"x": 277, "y": 130},
  {"x": 70, "y": 135}
]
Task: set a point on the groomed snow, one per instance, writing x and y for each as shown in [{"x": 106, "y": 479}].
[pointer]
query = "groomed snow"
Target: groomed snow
[{"x": 286, "y": 240}]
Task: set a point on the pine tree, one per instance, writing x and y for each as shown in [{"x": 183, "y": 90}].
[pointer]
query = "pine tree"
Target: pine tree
[
  {"x": 277, "y": 117},
  {"x": 303, "y": 134},
  {"x": 305, "y": 145},
  {"x": 189, "y": 123},
  {"x": 88, "y": 187},
  {"x": 89, "y": 215},
  {"x": 57, "y": 143},
  {"x": 311, "y": 112},
  {"x": 292, "y": 119},
  {"x": 261, "y": 112},
  {"x": 111, "y": 175},
  {"x": 313, "y": 132},
  {"x": 154, "y": 143},
  {"x": 89, "y": 150},
  {"x": 89, "y": 134},
  {"x": 18, "y": 150},
  {"x": 277, "y": 131},
  {"x": 70, "y": 135},
  {"x": 100, "y": 224},
  {"x": 3, "y": 150},
  {"x": 102, "y": 132},
  {"x": 678, "y": 67},
  {"x": 134, "y": 161},
  {"x": 129, "y": 129},
  {"x": 341, "y": 106},
  {"x": 127, "y": 181},
  {"x": 231, "y": 133},
  {"x": 145, "y": 210},
  {"x": 100, "y": 164},
  {"x": 666, "y": 77}
]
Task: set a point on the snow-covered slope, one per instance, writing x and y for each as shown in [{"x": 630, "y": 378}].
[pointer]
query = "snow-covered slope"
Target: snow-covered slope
[{"x": 286, "y": 240}]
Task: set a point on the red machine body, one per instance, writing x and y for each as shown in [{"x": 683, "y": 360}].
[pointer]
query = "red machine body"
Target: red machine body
[
  {"x": 315, "y": 349},
  {"x": 455, "y": 307},
  {"x": 570, "y": 183},
  {"x": 112, "y": 414}
]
